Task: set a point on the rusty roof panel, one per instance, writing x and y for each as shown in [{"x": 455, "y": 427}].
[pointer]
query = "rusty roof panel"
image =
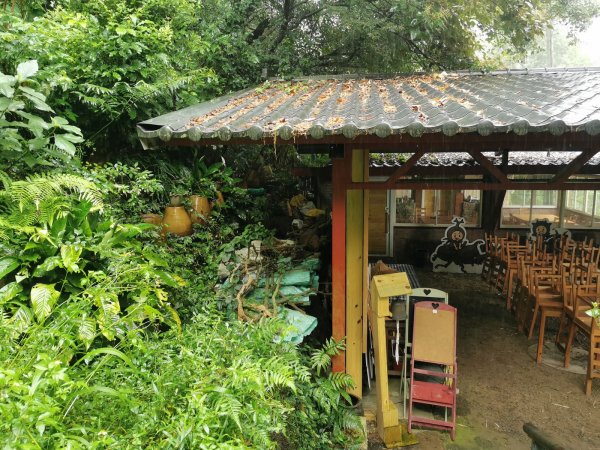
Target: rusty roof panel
[{"x": 557, "y": 101}]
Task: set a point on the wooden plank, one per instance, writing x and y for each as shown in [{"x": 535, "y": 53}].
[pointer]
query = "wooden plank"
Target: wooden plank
[
  {"x": 392, "y": 284},
  {"x": 377, "y": 222},
  {"x": 366, "y": 245},
  {"x": 427, "y": 329},
  {"x": 354, "y": 274},
  {"x": 338, "y": 257}
]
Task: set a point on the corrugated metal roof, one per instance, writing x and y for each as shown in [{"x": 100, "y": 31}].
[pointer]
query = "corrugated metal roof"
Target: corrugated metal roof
[
  {"x": 520, "y": 102},
  {"x": 461, "y": 159}
]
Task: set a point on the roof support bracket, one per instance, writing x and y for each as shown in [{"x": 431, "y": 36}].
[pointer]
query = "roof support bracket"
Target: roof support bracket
[
  {"x": 405, "y": 168},
  {"x": 573, "y": 167},
  {"x": 487, "y": 165}
]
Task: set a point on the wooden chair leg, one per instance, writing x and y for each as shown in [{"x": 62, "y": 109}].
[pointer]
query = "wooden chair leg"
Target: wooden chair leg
[
  {"x": 540, "y": 347},
  {"x": 561, "y": 335},
  {"x": 572, "y": 330},
  {"x": 509, "y": 287},
  {"x": 588, "y": 379},
  {"x": 533, "y": 320}
]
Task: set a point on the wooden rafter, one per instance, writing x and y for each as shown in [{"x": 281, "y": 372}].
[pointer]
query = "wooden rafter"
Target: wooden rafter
[
  {"x": 574, "y": 166},
  {"x": 405, "y": 168},
  {"x": 487, "y": 165}
]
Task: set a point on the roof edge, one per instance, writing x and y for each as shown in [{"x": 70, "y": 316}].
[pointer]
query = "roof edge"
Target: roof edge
[{"x": 464, "y": 72}]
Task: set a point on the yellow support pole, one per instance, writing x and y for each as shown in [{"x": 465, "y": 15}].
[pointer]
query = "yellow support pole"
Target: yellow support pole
[
  {"x": 382, "y": 288},
  {"x": 356, "y": 260}
]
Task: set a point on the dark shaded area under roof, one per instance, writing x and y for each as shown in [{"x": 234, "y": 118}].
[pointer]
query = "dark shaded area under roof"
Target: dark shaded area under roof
[
  {"x": 520, "y": 102},
  {"x": 461, "y": 159}
]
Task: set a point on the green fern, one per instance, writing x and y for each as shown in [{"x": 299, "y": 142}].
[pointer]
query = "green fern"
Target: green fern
[{"x": 40, "y": 199}]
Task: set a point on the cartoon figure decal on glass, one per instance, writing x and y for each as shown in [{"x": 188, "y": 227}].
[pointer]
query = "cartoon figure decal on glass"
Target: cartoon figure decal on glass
[
  {"x": 545, "y": 231},
  {"x": 456, "y": 254}
]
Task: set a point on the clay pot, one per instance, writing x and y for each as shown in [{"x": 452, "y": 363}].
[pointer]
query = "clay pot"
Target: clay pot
[
  {"x": 177, "y": 221},
  {"x": 154, "y": 219},
  {"x": 201, "y": 208}
]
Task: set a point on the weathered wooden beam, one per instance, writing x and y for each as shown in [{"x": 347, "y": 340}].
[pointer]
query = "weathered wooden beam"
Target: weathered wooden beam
[
  {"x": 449, "y": 171},
  {"x": 365, "y": 274},
  {"x": 355, "y": 232},
  {"x": 340, "y": 174},
  {"x": 574, "y": 166},
  {"x": 487, "y": 165},
  {"x": 481, "y": 185},
  {"x": 405, "y": 168}
]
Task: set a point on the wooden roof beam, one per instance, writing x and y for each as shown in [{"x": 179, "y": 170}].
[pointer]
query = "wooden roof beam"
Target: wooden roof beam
[
  {"x": 487, "y": 165},
  {"x": 481, "y": 185},
  {"x": 574, "y": 166},
  {"x": 405, "y": 168}
]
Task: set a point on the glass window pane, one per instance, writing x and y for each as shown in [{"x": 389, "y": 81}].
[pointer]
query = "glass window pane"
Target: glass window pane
[
  {"x": 437, "y": 207},
  {"x": 589, "y": 202},
  {"x": 516, "y": 210},
  {"x": 405, "y": 206},
  {"x": 427, "y": 206},
  {"x": 546, "y": 206},
  {"x": 577, "y": 213}
]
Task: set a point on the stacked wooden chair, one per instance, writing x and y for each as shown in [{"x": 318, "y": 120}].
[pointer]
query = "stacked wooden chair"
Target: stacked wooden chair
[
  {"x": 577, "y": 319},
  {"x": 541, "y": 280}
]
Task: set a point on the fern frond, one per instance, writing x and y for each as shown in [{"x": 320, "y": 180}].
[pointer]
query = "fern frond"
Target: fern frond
[
  {"x": 5, "y": 179},
  {"x": 341, "y": 381},
  {"x": 228, "y": 406},
  {"x": 41, "y": 198}
]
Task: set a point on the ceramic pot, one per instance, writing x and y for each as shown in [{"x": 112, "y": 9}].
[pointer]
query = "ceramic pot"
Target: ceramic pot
[
  {"x": 177, "y": 221},
  {"x": 154, "y": 219},
  {"x": 200, "y": 208}
]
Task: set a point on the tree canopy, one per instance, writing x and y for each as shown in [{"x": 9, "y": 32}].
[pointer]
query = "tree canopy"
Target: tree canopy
[{"x": 109, "y": 63}]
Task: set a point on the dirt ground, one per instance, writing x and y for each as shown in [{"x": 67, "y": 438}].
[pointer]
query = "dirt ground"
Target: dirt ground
[{"x": 501, "y": 386}]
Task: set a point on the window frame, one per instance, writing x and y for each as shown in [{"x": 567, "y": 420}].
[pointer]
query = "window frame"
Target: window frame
[{"x": 393, "y": 205}]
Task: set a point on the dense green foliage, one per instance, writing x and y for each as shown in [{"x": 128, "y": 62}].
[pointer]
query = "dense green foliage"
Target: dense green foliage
[
  {"x": 108, "y": 64},
  {"x": 112, "y": 337},
  {"x": 112, "y": 333}
]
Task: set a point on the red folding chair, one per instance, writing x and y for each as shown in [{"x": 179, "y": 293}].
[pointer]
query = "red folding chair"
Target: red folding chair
[{"x": 434, "y": 343}]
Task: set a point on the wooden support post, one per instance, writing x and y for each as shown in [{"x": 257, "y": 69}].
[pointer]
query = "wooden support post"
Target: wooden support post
[
  {"x": 355, "y": 267},
  {"x": 340, "y": 174},
  {"x": 365, "y": 324},
  {"x": 383, "y": 287}
]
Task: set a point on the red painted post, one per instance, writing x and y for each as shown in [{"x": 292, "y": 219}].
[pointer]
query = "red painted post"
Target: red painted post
[{"x": 341, "y": 168}]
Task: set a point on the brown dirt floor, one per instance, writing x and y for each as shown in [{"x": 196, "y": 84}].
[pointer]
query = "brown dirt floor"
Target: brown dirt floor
[{"x": 501, "y": 386}]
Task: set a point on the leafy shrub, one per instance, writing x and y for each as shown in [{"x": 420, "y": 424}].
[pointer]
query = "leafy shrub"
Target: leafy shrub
[
  {"x": 129, "y": 191},
  {"x": 216, "y": 385}
]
